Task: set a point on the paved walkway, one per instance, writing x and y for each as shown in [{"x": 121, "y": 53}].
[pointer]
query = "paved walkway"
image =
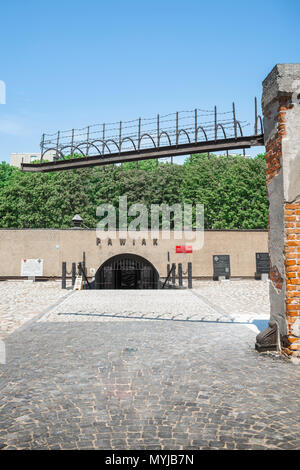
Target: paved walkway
[
  {"x": 195, "y": 305},
  {"x": 21, "y": 301},
  {"x": 144, "y": 384}
]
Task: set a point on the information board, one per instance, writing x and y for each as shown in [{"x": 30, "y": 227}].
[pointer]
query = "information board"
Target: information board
[
  {"x": 32, "y": 267},
  {"x": 262, "y": 264},
  {"x": 221, "y": 265}
]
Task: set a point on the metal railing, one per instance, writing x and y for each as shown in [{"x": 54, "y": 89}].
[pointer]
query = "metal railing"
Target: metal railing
[{"x": 184, "y": 127}]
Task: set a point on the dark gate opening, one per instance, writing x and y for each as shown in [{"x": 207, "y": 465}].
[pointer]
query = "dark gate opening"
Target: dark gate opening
[{"x": 127, "y": 271}]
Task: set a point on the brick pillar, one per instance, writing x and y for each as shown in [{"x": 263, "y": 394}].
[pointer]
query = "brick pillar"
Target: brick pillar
[{"x": 281, "y": 110}]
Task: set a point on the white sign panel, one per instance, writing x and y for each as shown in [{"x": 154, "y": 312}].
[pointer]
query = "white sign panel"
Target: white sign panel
[{"x": 32, "y": 267}]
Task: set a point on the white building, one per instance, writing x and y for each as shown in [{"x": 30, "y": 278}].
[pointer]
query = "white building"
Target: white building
[{"x": 16, "y": 159}]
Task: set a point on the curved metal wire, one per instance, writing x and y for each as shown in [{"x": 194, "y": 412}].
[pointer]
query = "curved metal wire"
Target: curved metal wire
[
  {"x": 77, "y": 148},
  {"x": 102, "y": 142},
  {"x": 222, "y": 127},
  {"x": 50, "y": 150},
  {"x": 80, "y": 145},
  {"x": 145, "y": 135},
  {"x": 167, "y": 135},
  {"x": 66, "y": 147},
  {"x": 186, "y": 133},
  {"x": 114, "y": 142},
  {"x": 240, "y": 127},
  {"x": 127, "y": 138},
  {"x": 202, "y": 129}
]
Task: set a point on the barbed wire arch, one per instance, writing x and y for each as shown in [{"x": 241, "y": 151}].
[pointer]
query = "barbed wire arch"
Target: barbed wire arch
[{"x": 158, "y": 136}]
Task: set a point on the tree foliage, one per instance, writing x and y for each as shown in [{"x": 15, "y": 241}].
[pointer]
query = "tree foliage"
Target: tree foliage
[{"x": 233, "y": 191}]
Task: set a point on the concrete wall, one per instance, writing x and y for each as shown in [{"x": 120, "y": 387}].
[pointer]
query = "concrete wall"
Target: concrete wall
[{"x": 55, "y": 246}]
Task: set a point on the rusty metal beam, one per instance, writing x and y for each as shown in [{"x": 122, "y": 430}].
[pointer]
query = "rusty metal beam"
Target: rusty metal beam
[{"x": 235, "y": 143}]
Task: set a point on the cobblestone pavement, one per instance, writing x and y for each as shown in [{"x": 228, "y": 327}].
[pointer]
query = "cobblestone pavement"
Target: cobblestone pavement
[
  {"x": 134, "y": 384},
  {"x": 237, "y": 297},
  {"x": 21, "y": 301},
  {"x": 199, "y": 304},
  {"x": 145, "y": 385}
]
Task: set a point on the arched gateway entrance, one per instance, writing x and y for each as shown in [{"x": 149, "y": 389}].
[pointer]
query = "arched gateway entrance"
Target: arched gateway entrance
[{"x": 127, "y": 271}]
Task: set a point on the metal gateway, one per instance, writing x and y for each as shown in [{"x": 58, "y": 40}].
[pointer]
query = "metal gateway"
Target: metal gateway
[{"x": 127, "y": 271}]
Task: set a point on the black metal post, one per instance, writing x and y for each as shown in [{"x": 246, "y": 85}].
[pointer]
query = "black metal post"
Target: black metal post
[
  {"x": 180, "y": 274},
  {"x": 64, "y": 275},
  {"x": 177, "y": 135},
  {"x": 42, "y": 146},
  {"x": 255, "y": 123},
  {"x": 173, "y": 273},
  {"x": 57, "y": 144},
  {"x": 73, "y": 273},
  {"x": 190, "y": 277},
  {"x": 234, "y": 120},
  {"x": 87, "y": 141},
  {"x": 72, "y": 143},
  {"x": 83, "y": 263},
  {"x": 103, "y": 139},
  {"x": 216, "y": 125},
  {"x": 139, "y": 134},
  {"x": 79, "y": 269}
]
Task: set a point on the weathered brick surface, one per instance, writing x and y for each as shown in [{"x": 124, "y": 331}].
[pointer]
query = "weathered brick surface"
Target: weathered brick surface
[
  {"x": 292, "y": 268},
  {"x": 273, "y": 166},
  {"x": 274, "y": 157},
  {"x": 276, "y": 277},
  {"x": 274, "y": 144}
]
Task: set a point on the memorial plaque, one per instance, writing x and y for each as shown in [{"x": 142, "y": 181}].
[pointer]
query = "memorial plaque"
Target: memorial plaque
[
  {"x": 262, "y": 264},
  {"x": 221, "y": 266},
  {"x": 32, "y": 267}
]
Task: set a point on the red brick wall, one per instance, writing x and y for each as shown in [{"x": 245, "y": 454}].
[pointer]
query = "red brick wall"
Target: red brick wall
[{"x": 292, "y": 267}]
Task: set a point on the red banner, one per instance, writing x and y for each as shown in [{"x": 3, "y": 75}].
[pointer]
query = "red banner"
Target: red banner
[{"x": 184, "y": 249}]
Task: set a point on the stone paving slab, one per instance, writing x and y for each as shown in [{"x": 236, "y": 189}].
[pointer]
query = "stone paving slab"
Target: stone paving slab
[
  {"x": 178, "y": 305},
  {"x": 244, "y": 300},
  {"x": 145, "y": 385}
]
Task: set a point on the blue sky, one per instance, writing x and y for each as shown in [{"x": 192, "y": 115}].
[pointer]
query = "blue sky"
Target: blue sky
[{"x": 72, "y": 63}]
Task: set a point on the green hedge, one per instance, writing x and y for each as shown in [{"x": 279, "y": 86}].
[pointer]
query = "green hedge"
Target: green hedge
[{"x": 233, "y": 191}]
